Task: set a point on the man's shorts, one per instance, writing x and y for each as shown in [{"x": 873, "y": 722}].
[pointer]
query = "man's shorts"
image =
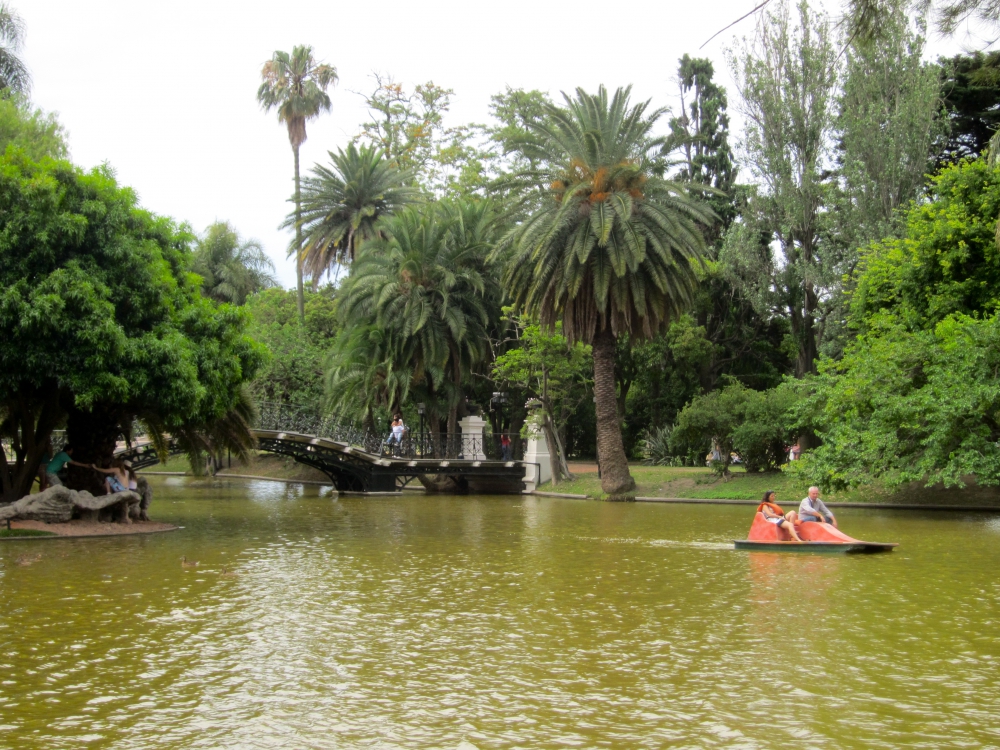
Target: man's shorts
[{"x": 53, "y": 479}]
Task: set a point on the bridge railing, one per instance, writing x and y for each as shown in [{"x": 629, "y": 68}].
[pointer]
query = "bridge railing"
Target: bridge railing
[
  {"x": 486, "y": 447},
  {"x": 281, "y": 417}
]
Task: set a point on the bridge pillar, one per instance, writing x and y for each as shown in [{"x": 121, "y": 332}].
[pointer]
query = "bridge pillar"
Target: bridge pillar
[
  {"x": 537, "y": 453},
  {"x": 472, "y": 438}
]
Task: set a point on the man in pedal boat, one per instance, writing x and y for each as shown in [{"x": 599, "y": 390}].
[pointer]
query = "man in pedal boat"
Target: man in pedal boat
[
  {"x": 813, "y": 509},
  {"x": 774, "y": 514}
]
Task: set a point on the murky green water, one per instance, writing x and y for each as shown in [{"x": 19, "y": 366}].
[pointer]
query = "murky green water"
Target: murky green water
[{"x": 500, "y": 622}]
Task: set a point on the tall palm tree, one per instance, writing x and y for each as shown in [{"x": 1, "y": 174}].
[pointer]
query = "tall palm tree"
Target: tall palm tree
[
  {"x": 296, "y": 85},
  {"x": 611, "y": 249},
  {"x": 342, "y": 202},
  {"x": 424, "y": 284},
  {"x": 231, "y": 268},
  {"x": 14, "y": 74}
]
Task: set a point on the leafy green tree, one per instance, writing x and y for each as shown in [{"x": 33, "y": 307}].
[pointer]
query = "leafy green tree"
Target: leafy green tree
[
  {"x": 407, "y": 126},
  {"x": 296, "y": 86},
  {"x": 887, "y": 122},
  {"x": 787, "y": 79},
  {"x": 36, "y": 133},
  {"x": 102, "y": 323},
  {"x": 611, "y": 250},
  {"x": 14, "y": 74},
  {"x": 295, "y": 370},
  {"x": 342, "y": 203},
  {"x": 231, "y": 268},
  {"x": 546, "y": 367},
  {"x": 948, "y": 262},
  {"x": 701, "y": 135},
  {"x": 970, "y": 91},
  {"x": 907, "y": 405},
  {"x": 917, "y": 397},
  {"x": 755, "y": 425}
]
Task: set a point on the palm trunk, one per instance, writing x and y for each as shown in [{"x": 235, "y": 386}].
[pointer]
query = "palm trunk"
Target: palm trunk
[
  {"x": 616, "y": 481},
  {"x": 298, "y": 241}
]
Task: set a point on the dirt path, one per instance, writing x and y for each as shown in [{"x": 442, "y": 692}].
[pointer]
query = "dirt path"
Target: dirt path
[{"x": 92, "y": 528}]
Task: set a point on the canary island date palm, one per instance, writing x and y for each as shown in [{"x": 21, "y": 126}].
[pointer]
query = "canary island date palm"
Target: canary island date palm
[
  {"x": 342, "y": 203},
  {"x": 610, "y": 247},
  {"x": 424, "y": 286},
  {"x": 295, "y": 84}
]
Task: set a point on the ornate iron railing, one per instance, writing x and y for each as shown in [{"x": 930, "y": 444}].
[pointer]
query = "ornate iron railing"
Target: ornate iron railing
[{"x": 293, "y": 418}]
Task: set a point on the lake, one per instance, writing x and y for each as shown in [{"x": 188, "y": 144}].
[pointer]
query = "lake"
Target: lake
[{"x": 495, "y": 622}]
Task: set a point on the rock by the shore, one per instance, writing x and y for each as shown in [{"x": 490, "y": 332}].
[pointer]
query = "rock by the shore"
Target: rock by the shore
[{"x": 60, "y": 504}]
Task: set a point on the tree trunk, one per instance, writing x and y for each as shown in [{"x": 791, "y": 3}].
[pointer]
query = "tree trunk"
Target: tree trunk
[
  {"x": 616, "y": 481},
  {"x": 298, "y": 242},
  {"x": 33, "y": 422},
  {"x": 456, "y": 374},
  {"x": 560, "y": 469},
  {"x": 93, "y": 435}
]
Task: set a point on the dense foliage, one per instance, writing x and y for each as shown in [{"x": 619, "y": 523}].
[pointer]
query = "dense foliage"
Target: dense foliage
[
  {"x": 915, "y": 397},
  {"x": 102, "y": 321}
]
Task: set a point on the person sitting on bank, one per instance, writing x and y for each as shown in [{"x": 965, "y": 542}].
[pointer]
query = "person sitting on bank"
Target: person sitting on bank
[
  {"x": 774, "y": 514},
  {"x": 117, "y": 479},
  {"x": 813, "y": 509},
  {"x": 58, "y": 463}
]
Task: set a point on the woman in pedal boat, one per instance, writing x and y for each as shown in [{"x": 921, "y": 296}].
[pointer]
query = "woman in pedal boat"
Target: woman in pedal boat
[{"x": 774, "y": 514}]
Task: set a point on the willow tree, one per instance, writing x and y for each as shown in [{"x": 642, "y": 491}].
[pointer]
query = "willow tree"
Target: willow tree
[
  {"x": 612, "y": 248},
  {"x": 342, "y": 202},
  {"x": 296, "y": 86}
]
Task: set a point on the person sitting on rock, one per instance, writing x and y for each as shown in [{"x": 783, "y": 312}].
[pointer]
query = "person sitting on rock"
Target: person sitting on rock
[
  {"x": 774, "y": 514},
  {"x": 58, "y": 463},
  {"x": 117, "y": 479}
]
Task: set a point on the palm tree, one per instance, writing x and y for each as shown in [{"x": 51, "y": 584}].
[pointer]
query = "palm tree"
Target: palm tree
[
  {"x": 14, "y": 74},
  {"x": 424, "y": 285},
  {"x": 296, "y": 85},
  {"x": 612, "y": 247},
  {"x": 342, "y": 202},
  {"x": 231, "y": 268}
]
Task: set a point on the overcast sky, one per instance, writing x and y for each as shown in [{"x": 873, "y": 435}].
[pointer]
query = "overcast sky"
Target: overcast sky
[{"x": 165, "y": 92}]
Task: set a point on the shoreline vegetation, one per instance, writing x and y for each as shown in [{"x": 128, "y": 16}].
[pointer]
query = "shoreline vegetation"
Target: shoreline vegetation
[{"x": 660, "y": 482}]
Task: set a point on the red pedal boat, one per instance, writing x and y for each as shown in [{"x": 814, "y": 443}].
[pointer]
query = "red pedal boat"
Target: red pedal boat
[{"x": 816, "y": 537}]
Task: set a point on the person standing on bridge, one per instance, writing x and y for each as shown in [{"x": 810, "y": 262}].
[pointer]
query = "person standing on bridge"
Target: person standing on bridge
[{"x": 398, "y": 430}]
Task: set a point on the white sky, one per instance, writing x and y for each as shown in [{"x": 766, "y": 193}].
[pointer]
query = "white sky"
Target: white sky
[{"x": 165, "y": 92}]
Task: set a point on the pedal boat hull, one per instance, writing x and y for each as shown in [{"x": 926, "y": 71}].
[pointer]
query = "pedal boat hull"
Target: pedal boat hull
[{"x": 816, "y": 537}]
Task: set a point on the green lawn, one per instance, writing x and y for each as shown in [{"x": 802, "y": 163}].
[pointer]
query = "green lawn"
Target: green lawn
[
  {"x": 668, "y": 481},
  {"x": 4, "y": 533},
  {"x": 663, "y": 481}
]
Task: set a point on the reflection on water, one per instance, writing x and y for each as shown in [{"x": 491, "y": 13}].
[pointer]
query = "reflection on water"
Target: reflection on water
[{"x": 496, "y": 622}]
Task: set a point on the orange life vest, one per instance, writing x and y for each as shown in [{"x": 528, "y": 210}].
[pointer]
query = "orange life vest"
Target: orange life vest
[{"x": 771, "y": 507}]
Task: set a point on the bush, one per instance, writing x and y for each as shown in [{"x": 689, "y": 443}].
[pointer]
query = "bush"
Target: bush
[
  {"x": 756, "y": 425},
  {"x": 656, "y": 448}
]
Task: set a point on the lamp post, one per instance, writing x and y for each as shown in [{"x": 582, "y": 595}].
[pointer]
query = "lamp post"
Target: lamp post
[{"x": 421, "y": 408}]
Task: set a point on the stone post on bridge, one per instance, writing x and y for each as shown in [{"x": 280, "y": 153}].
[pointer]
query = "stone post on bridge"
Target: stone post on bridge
[{"x": 472, "y": 437}]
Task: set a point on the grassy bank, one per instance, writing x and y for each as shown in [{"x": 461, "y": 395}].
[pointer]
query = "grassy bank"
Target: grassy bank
[
  {"x": 261, "y": 465},
  {"x": 698, "y": 483}
]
